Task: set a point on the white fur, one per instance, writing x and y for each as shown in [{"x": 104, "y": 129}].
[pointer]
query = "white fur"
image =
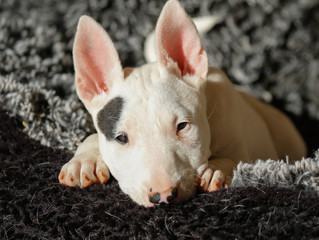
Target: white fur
[
  {"x": 203, "y": 25},
  {"x": 224, "y": 126},
  {"x": 154, "y": 156}
]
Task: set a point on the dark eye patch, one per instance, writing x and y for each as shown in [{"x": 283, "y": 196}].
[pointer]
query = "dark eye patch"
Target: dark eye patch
[{"x": 109, "y": 116}]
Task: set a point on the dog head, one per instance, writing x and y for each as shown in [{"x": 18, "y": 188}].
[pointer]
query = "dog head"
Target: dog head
[{"x": 151, "y": 121}]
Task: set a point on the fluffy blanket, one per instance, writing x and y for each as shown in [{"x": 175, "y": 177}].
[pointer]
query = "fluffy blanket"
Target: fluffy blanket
[{"x": 269, "y": 47}]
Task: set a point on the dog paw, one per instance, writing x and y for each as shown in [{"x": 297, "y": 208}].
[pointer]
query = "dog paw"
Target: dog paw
[
  {"x": 212, "y": 180},
  {"x": 84, "y": 171}
]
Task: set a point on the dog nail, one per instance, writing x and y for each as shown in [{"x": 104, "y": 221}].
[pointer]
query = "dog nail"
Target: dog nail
[
  {"x": 69, "y": 181},
  {"x": 61, "y": 177},
  {"x": 86, "y": 181},
  {"x": 103, "y": 178},
  {"x": 214, "y": 186},
  {"x": 202, "y": 182}
]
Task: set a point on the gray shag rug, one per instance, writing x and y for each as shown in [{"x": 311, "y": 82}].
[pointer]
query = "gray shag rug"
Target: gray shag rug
[
  {"x": 302, "y": 175},
  {"x": 269, "y": 47}
]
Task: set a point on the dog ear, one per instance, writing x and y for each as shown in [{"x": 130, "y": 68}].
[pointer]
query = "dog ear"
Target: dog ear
[
  {"x": 96, "y": 61},
  {"x": 178, "y": 42}
]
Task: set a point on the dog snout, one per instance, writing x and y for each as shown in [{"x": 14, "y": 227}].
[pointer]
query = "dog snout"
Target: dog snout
[{"x": 167, "y": 196}]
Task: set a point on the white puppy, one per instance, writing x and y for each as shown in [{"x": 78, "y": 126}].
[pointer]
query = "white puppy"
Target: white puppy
[{"x": 169, "y": 127}]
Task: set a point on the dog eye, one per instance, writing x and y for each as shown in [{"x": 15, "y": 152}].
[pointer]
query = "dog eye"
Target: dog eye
[
  {"x": 181, "y": 126},
  {"x": 122, "y": 139}
]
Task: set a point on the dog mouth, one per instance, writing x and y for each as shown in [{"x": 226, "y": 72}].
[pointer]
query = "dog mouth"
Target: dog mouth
[
  {"x": 169, "y": 196},
  {"x": 153, "y": 194},
  {"x": 182, "y": 192},
  {"x": 177, "y": 195}
]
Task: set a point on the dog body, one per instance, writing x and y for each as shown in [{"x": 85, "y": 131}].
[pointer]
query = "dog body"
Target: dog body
[{"x": 167, "y": 128}]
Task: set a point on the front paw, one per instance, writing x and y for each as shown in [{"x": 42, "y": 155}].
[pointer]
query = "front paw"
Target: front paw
[
  {"x": 84, "y": 170},
  {"x": 211, "y": 180}
]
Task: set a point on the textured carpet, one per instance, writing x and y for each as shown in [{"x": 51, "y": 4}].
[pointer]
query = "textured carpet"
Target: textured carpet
[
  {"x": 270, "y": 47},
  {"x": 34, "y": 206}
]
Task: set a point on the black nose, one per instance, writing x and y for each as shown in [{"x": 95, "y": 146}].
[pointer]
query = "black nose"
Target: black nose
[
  {"x": 173, "y": 196},
  {"x": 170, "y": 195},
  {"x": 156, "y": 198}
]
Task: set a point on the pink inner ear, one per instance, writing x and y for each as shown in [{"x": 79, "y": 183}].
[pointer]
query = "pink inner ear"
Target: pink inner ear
[
  {"x": 178, "y": 42},
  {"x": 90, "y": 76},
  {"x": 95, "y": 59}
]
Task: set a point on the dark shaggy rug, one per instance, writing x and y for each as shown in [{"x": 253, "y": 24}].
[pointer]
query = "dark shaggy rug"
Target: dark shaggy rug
[
  {"x": 269, "y": 47},
  {"x": 34, "y": 206}
]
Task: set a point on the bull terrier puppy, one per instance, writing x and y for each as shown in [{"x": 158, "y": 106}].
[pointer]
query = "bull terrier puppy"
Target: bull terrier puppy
[{"x": 169, "y": 127}]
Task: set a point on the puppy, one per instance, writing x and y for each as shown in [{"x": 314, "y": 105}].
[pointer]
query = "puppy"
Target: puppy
[{"x": 169, "y": 127}]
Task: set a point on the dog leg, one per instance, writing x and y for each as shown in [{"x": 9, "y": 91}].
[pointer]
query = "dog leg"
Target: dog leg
[
  {"x": 86, "y": 167},
  {"x": 216, "y": 175}
]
